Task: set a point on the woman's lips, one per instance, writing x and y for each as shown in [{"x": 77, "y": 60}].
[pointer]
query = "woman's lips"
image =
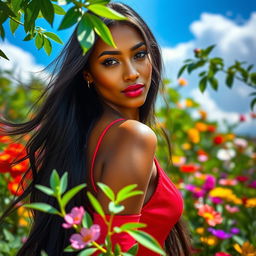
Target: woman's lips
[{"x": 134, "y": 90}]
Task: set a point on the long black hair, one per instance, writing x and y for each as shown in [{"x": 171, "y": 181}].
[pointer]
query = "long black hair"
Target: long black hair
[{"x": 59, "y": 131}]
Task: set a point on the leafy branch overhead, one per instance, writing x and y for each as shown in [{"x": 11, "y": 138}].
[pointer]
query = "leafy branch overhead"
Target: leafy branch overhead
[
  {"x": 239, "y": 70},
  {"x": 25, "y": 13}
]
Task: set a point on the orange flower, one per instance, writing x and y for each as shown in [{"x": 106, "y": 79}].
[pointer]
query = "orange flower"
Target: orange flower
[
  {"x": 5, "y": 139},
  {"x": 203, "y": 114},
  {"x": 230, "y": 136},
  {"x": 182, "y": 82},
  {"x": 193, "y": 135},
  {"x": 201, "y": 127},
  {"x": 189, "y": 103},
  {"x": 186, "y": 146},
  {"x": 210, "y": 215},
  {"x": 5, "y": 162}
]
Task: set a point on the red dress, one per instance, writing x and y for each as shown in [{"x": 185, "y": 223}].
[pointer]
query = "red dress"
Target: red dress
[{"x": 160, "y": 213}]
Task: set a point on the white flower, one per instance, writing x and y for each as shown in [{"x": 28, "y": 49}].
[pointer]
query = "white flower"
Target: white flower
[{"x": 226, "y": 154}]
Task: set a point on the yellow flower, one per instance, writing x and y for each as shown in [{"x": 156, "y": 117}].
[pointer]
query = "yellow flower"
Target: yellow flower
[
  {"x": 251, "y": 202},
  {"x": 203, "y": 114},
  {"x": 230, "y": 136},
  {"x": 186, "y": 146},
  {"x": 226, "y": 194},
  {"x": 210, "y": 240},
  {"x": 178, "y": 160},
  {"x": 189, "y": 103},
  {"x": 201, "y": 127},
  {"x": 200, "y": 230},
  {"x": 246, "y": 249},
  {"x": 24, "y": 215},
  {"x": 193, "y": 135},
  {"x": 182, "y": 81}
]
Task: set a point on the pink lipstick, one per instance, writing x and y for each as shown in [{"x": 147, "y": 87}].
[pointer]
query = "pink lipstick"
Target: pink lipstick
[{"x": 134, "y": 90}]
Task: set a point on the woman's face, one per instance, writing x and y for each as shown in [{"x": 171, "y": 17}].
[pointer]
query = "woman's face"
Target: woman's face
[{"x": 113, "y": 70}]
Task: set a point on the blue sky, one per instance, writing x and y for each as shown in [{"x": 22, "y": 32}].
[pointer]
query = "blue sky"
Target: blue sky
[{"x": 179, "y": 26}]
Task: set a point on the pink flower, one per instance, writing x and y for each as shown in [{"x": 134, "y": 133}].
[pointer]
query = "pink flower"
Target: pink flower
[
  {"x": 209, "y": 183},
  {"x": 231, "y": 209},
  {"x": 210, "y": 215},
  {"x": 216, "y": 200},
  {"x": 74, "y": 217},
  {"x": 221, "y": 254},
  {"x": 228, "y": 182},
  {"x": 86, "y": 235}
]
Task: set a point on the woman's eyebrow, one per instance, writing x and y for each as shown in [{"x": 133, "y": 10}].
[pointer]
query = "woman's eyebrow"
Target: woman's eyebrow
[{"x": 136, "y": 46}]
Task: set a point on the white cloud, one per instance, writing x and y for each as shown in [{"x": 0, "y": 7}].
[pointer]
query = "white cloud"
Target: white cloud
[
  {"x": 233, "y": 42},
  {"x": 21, "y": 62}
]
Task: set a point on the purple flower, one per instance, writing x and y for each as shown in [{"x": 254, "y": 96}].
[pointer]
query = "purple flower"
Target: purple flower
[
  {"x": 216, "y": 200},
  {"x": 197, "y": 192},
  {"x": 209, "y": 182},
  {"x": 235, "y": 231},
  {"x": 221, "y": 234},
  {"x": 86, "y": 235},
  {"x": 252, "y": 184},
  {"x": 74, "y": 217}
]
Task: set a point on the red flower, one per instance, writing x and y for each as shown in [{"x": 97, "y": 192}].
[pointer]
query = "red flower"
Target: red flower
[
  {"x": 5, "y": 162},
  {"x": 242, "y": 178},
  {"x": 218, "y": 139},
  {"x": 211, "y": 128},
  {"x": 189, "y": 168},
  {"x": 14, "y": 186},
  {"x": 221, "y": 254}
]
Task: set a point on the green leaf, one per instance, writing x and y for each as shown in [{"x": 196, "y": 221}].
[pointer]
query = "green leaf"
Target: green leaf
[
  {"x": 101, "y": 29},
  {"x": 43, "y": 253},
  {"x": 87, "y": 252},
  {"x": 230, "y": 79},
  {"x": 63, "y": 183},
  {"x": 214, "y": 83},
  {"x": 134, "y": 249},
  {"x": 105, "y": 11},
  {"x": 182, "y": 69},
  {"x": 53, "y": 37},
  {"x": 30, "y": 15},
  {"x": 71, "y": 17},
  {"x": 45, "y": 190},
  {"x": 28, "y": 37},
  {"x": 117, "y": 250},
  {"x": 39, "y": 41},
  {"x": 132, "y": 225},
  {"x": 47, "y": 46},
  {"x": 87, "y": 220},
  {"x": 85, "y": 34},
  {"x": 250, "y": 67},
  {"x": 8, "y": 235},
  {"x": 71, "y": 193},
  {"x": 16, "y": 5},
  {"x": 147, "y": 241},
  {"x": 122, "y": 193},
  {"x": 253, "y": 78},
  {"x": 42, "y": 207},
  {"x": 55, "y": 180},
  {"x": 115, "y": 208},
  {"x": 203, "y": 84},
  {"x": 2, "y": 54},
  {"x": 99, "y": 1},
  {"x": 47, "y": 10},
  {"x": 107, "y": 191},
  {"x": 2, "y": 32},
  {"x": 59, "y": 10},
  {"x": 131, "y": 194},
  {"x": 253, "y": 102},
  {"x": 208, "y": 50},
  {"x": 6, "y": 10},
  {"x": 69, "y": 249},
  {"x": 13, "y": 24},
  {"x": 95, "y": 203}
]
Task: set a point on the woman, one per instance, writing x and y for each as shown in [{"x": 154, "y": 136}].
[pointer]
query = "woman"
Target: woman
[{"x": 93, "y": 125}]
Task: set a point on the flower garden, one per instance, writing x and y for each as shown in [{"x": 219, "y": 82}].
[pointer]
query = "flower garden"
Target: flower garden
[{"x": 214, "y": 170}]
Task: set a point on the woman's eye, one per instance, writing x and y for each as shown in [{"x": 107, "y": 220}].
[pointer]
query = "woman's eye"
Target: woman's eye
[
  {"x": 109, "y": 62},
  {"x": 141, "y": 55}
]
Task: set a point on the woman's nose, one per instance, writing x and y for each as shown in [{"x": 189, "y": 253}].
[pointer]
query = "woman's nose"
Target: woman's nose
[{"x": 130, "y": 72}]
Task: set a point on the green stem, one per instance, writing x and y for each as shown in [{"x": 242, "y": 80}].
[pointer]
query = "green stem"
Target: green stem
[
  {"x": 63, "y": 212},
  {"x": 17, "y": 21},
  {"x": 99, "y": 247}
]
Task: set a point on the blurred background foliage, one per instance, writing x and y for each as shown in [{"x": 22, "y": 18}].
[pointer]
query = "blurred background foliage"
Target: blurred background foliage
[{"x": 214, "y": 169}]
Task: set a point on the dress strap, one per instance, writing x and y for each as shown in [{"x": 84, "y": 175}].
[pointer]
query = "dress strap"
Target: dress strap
[{"x": 96, "y": 150}]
